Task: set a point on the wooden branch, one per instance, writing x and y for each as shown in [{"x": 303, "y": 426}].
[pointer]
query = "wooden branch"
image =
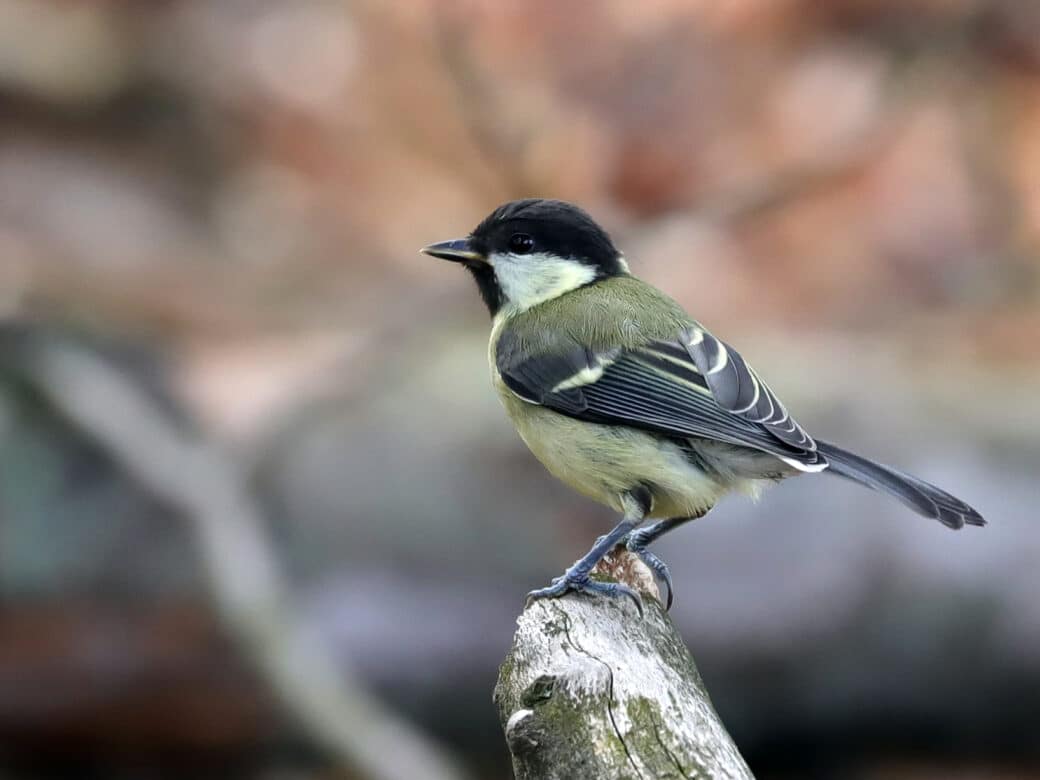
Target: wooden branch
[{"x": 590, "y": 689}]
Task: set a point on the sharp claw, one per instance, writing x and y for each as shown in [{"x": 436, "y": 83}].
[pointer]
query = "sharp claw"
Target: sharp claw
[
  {"x": 666, "y": 579},
  {"x": 582, "y": 584},
  {"x": 636, "y": 598},
  {"x": 656, "y": 565},
  {"x": 616, "y": 589},
  {"x": 554, "y": 589}
]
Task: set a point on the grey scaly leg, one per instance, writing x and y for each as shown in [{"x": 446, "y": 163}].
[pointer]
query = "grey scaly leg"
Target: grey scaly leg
[
  {"x": 576, "y": 578},
  {"x": 637, "y": 542}
]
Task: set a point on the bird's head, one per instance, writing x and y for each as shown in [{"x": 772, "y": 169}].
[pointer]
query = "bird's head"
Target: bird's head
[{"x": 529, "y": 251}]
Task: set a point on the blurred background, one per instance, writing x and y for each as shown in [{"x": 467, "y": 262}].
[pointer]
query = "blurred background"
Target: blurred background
[{"x": 259, "y": 508}]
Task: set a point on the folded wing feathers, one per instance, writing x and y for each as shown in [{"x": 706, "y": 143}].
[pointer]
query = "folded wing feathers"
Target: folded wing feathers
[
  {"x": 658, "y": 394},
  {"x": 663, "y": 386},
  {"x": 738, "y": 389}
]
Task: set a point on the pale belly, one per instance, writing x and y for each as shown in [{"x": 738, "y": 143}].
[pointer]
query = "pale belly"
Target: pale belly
[{"x": 604, "y": 462}]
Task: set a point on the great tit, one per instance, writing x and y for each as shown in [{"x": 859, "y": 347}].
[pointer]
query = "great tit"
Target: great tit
[{"x": 627, "y": 399}]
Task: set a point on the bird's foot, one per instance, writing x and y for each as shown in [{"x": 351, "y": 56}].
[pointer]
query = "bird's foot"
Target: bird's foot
[
  {"x": 636, "y": 543},
  {"x": 580, "y": 582}
]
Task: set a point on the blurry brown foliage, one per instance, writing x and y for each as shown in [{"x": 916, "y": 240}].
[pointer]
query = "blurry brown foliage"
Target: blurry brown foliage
[{"x": 241, "y": 188}]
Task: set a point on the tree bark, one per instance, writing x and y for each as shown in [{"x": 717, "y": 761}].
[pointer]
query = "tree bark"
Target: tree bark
[{"x": 592, "y": 690}]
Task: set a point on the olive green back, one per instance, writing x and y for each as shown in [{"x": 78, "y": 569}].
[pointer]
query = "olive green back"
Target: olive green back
[{"x": 621, "y": 311}]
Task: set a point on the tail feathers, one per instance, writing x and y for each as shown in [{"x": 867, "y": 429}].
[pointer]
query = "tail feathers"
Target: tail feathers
[{"x": 922, "y": 497}]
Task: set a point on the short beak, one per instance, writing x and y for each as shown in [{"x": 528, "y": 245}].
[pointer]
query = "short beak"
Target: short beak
[{"x": 458, "y": 250}]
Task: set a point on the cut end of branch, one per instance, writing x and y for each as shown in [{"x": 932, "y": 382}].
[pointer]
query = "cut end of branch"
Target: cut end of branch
[
  {"x": 591, "y": 689},
  {"x": 619, "y": 565}
]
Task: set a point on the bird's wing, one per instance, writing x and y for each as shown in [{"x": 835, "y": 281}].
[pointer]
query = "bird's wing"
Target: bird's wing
[
  {"x": 690, "y": 386},
  {"x": 737, "y": 388}
]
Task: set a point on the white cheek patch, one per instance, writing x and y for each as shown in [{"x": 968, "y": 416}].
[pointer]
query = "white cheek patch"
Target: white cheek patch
[{"x": 527, "y": 280}]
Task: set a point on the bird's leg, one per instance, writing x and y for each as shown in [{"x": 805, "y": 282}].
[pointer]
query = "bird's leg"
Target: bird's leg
[
  {"x": 577, "y": 578},
  {"x": 637, "y": 541}
]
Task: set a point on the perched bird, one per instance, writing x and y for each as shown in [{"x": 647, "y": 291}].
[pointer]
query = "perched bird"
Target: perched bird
[{"x": 626, "y": 398}]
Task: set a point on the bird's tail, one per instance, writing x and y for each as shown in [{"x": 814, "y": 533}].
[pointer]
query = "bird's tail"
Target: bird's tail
[{"x": 922, "y": 497}]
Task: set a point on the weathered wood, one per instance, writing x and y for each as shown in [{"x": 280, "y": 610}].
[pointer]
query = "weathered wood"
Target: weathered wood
[{"x": 591, "y": 690}]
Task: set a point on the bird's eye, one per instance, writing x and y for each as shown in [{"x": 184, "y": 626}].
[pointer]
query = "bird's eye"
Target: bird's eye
[{"x": 520, "y": 243}]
